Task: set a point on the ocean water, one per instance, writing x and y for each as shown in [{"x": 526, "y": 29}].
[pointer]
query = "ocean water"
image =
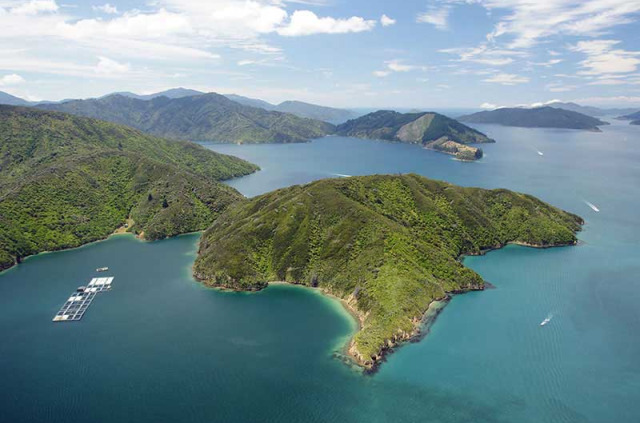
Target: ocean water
[{"x": 161, "y": 347}]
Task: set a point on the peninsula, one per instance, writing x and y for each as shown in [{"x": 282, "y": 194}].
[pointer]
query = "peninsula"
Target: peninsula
[
  {"x": 430, "y": 130},
  {"x": 67, "y": 180},
  {"x": 388, "y": 246}
]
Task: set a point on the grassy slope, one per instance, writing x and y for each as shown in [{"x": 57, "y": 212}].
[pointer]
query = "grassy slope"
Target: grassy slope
[
  {"x": 387, "y": 244},
  {"x": 207, "y": 117},
  {"x": 67, "y": 180}
]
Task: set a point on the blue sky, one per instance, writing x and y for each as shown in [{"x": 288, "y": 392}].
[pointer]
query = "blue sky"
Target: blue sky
[{"x": 355, "y": 53}]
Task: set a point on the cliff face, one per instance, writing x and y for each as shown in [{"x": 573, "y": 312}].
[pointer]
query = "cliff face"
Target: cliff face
[{"x": 387, "y": 245}]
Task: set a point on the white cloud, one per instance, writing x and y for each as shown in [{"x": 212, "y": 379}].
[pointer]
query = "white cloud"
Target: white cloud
[
  {"x": 173, "y": 32},
  {"x": 107, "y": 8},
  {"x": 507, "y": 79},
  {"x": 438, "y": 17},
  {"x": 11, "y": 79},
  {"x": 108, "y": 66},
  {"x": 484, "y": 54},
  {"x": 397, "y": 66},
  {"x": 558, "y": 87},
  {"x": 34, "y": 7},
  {"x": 305, "y": 22},
  {"x": 132, "y": 25},
  {"x": 386, "y": 21},
  {"x": 546, "y": 64},
  {"x": 236, "y": 17},
  {"x": 527, "y": 22},
  {"x": 381, "y": 73},
  {"x": 489, "y": 106},
  {"x": 603, "y": 58}
]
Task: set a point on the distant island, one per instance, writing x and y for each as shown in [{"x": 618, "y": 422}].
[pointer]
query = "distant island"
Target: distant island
[
  {"x": 431, "y": 130},
  {"x": 388, "y": 246},
  {"x": 540, "y": 117},
  {"x": 68, "y": 180},
  {"x": 590, "y": 110},
  {"x": 206, "y": 117},
  {"x": 633, "y": 117}
]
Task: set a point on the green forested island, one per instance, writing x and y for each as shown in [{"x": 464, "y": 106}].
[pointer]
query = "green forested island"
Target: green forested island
[
  {"x": 431, "y": 130},
  {"x": 206, "y": 117},
  {"x": 68, "y": 180},
  {"x": 387, "y": 245},
  {"x": 539, "y": 117}
]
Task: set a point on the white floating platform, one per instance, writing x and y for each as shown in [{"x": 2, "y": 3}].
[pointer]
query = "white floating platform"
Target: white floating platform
[{"x": 78, "y": 303}]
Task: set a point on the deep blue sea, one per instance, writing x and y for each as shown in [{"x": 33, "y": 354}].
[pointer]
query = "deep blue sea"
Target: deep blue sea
[{"x": 159, "y": 347}]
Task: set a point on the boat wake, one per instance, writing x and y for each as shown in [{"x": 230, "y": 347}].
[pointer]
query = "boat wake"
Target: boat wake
[
  {"x": 540, "y": 153},
  {"x": 593, "y": 207},
  {"x": 342, "y": 175},
  {"x": 546, "y": 320}
]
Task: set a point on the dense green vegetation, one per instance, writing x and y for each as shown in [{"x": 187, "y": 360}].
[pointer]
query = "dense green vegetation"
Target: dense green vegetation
[
  {"x": 540, "y": 117},
  {"x": 387, "y": 244},
  {"x": 67, "y": 180},
  {"x": 432, "y": 130},
  {"x": 207, "y": 117}
]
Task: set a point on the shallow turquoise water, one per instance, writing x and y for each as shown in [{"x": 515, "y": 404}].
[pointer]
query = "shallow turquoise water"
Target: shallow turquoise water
[{"x": 160, "y": 347}]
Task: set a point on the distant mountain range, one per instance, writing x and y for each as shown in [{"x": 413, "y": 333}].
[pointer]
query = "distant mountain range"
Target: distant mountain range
[
  {"x": 172, "y": 93},
  {"x": 299, "y": 108},
  {"x": 589, "y": 110},
  {"x": 206, "y": 117},
  {"x": 8, "y": 99},
  {"x": 541, "y": 117},
  {"x": 428, "y": 129}
]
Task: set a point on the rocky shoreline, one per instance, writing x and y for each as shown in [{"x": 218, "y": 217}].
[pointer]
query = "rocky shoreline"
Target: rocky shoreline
[
  {"x": 371, "y": 364},
  {"x": 420, "y": 323}
]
